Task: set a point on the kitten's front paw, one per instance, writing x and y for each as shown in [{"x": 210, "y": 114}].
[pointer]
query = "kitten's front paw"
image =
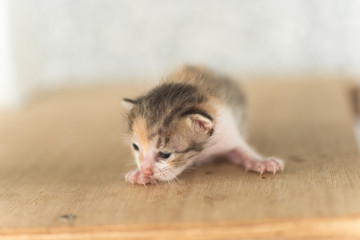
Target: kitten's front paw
[
  {"x": 270, "y": 164},
  {"x": 136, "y": 177}
]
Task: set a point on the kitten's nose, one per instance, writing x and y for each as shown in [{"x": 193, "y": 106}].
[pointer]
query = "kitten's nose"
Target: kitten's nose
[{"x": 147, "y": 171}]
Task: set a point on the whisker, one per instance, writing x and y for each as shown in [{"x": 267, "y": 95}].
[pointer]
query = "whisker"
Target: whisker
[
  {"x": 171, "y": 185},
  {"x": 174, "y": 176},
  {"x": 174, "y": 181}
]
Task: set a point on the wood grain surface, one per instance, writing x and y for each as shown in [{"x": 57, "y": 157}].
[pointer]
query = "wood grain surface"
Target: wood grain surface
[{"x": 63, "y": 160}]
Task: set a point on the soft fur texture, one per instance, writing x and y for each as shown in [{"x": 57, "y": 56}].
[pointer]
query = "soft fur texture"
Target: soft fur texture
[{"x": 193, "y": 116}]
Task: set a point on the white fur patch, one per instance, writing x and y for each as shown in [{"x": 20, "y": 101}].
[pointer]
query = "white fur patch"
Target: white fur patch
[{"x": 226, "y": 136}]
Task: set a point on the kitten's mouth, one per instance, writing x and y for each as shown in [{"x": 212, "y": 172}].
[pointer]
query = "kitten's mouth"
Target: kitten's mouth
[{"x": 163, "y": 176}]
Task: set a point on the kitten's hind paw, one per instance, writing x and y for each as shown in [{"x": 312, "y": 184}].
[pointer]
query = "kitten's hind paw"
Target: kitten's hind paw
[{"x": 270, "y": 164}]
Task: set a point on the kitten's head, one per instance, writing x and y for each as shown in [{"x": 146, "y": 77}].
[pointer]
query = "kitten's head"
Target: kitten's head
[{"x": 167, "y": 135}]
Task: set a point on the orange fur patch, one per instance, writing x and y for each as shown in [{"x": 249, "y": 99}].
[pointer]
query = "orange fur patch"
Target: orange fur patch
[{"x": 141, "y": 133}]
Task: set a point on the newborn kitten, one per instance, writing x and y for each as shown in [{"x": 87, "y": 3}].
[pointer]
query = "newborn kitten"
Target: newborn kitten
[{"x": 192, "y": 117}]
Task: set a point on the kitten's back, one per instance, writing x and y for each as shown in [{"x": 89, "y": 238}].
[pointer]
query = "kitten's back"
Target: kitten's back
[{"x": 216, "y": 85}]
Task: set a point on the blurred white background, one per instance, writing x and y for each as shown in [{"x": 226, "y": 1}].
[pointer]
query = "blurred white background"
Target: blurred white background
[{"x": 48, "y": 44}]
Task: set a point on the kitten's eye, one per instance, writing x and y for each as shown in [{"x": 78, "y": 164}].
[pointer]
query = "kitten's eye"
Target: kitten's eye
[
  {"x": 164, "y": 155},
  {"x": 136, "y": 147}
]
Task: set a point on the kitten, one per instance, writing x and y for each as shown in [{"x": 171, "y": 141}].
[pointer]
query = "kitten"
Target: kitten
[{"x": 190, "y": 118}]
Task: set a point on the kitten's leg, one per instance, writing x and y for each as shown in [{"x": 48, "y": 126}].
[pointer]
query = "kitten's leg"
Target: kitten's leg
[
  {"x": 136, "y": 177},
  {"x": 252, "y": 161}
]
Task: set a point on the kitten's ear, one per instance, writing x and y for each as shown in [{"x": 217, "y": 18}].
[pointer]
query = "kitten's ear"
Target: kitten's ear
[
  {"x": 128, "y": 103},
  {"x": 201, "y": 122}
]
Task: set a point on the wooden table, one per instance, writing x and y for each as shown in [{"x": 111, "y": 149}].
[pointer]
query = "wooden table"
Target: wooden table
[{"x": 63, "y": 160}]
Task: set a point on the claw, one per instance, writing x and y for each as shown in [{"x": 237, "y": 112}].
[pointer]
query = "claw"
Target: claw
[{"x": 272, "y": 165}]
